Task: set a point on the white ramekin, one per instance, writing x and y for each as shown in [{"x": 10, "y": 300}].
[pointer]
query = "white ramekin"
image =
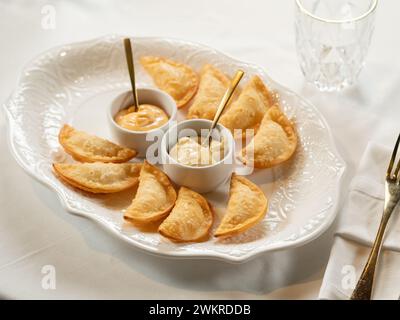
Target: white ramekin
[
  {"x": 141, "y": 140},
  {"x": 201, "y": 179}
]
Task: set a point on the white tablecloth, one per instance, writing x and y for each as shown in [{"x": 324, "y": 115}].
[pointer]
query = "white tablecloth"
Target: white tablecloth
[{"x": 34, "y": 229}]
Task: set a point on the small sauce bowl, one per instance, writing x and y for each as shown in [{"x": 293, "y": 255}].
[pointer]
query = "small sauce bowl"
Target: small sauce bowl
[
  {"x": 201, "y": 179},
  {"x": 141, "y": 140}
]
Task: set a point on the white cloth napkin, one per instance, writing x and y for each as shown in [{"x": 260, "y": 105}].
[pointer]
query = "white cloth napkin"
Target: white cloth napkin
[{"x": 357, "y": 227}]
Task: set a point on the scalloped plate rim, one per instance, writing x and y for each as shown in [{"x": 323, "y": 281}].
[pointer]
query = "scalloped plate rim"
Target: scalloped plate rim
[{"x": 281, "y": 245}]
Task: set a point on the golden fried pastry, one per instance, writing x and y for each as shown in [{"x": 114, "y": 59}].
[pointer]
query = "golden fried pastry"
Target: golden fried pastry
[
  {"x": 247, "y": 206},
  {"x": 177, "y": 79},
  {"x": 190, "y": 219},
  {"x": 213, "y": 84},
  {"x": 88, "y": 148},
  {"x": 154, "y": 198},
  {"x": 274, "y": 143},
  {"x": 248, "y": 110},
  {"x": 99, "y": 177}
]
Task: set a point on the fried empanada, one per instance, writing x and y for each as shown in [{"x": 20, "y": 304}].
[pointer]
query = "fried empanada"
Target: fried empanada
[
  {"x": 99, "y": 177},
  {"x": 274, "y": 142},
  {"x": 177, "y": 79},
  {"x": 247, "y": 205},
  {"x": 190, "y": 219},
  {"x": 248, "y": 110},
  {"x": 154, "y": 198},
  {"x": 88, "y": 148},
  {"x": 213, "y": 84}
]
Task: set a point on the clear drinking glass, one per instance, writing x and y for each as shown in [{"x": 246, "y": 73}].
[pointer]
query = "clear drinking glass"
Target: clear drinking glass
[{"x": 332, "y": 39}]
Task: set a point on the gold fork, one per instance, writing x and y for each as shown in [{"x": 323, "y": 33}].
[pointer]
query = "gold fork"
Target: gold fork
[{"x": 363, "y": 289}]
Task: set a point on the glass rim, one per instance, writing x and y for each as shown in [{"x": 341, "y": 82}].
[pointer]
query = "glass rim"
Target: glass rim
[{"x": 364, "y": 15}]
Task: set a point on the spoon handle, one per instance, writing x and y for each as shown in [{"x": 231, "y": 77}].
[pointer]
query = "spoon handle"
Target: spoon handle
[
  {"x": 131, "y": 69},
  {"x": 225, "y": 99},
  {"x": 227, "y": 96}
]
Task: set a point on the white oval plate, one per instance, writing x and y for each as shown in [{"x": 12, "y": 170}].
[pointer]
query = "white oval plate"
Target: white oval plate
[{"x": 75, "y": 83}]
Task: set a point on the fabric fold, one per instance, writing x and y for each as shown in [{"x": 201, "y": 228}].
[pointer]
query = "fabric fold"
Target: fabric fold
[{"x": 357, "y": 227}]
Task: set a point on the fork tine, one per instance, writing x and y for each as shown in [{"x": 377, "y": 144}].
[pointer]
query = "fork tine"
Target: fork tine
[
  {"x": 392, "y": 160},
  {"x": 396, "y": 173}
]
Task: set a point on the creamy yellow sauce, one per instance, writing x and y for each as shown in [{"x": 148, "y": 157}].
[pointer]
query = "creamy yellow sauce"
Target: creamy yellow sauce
[
  {"x": 146, "y": 118},
  {"x": 189, "y": 151}
]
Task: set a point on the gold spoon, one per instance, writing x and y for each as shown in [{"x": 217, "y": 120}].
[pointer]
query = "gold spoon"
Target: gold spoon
[
  {"x": 224, "y": 102},
  {"x": 131, "y": 69}
]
